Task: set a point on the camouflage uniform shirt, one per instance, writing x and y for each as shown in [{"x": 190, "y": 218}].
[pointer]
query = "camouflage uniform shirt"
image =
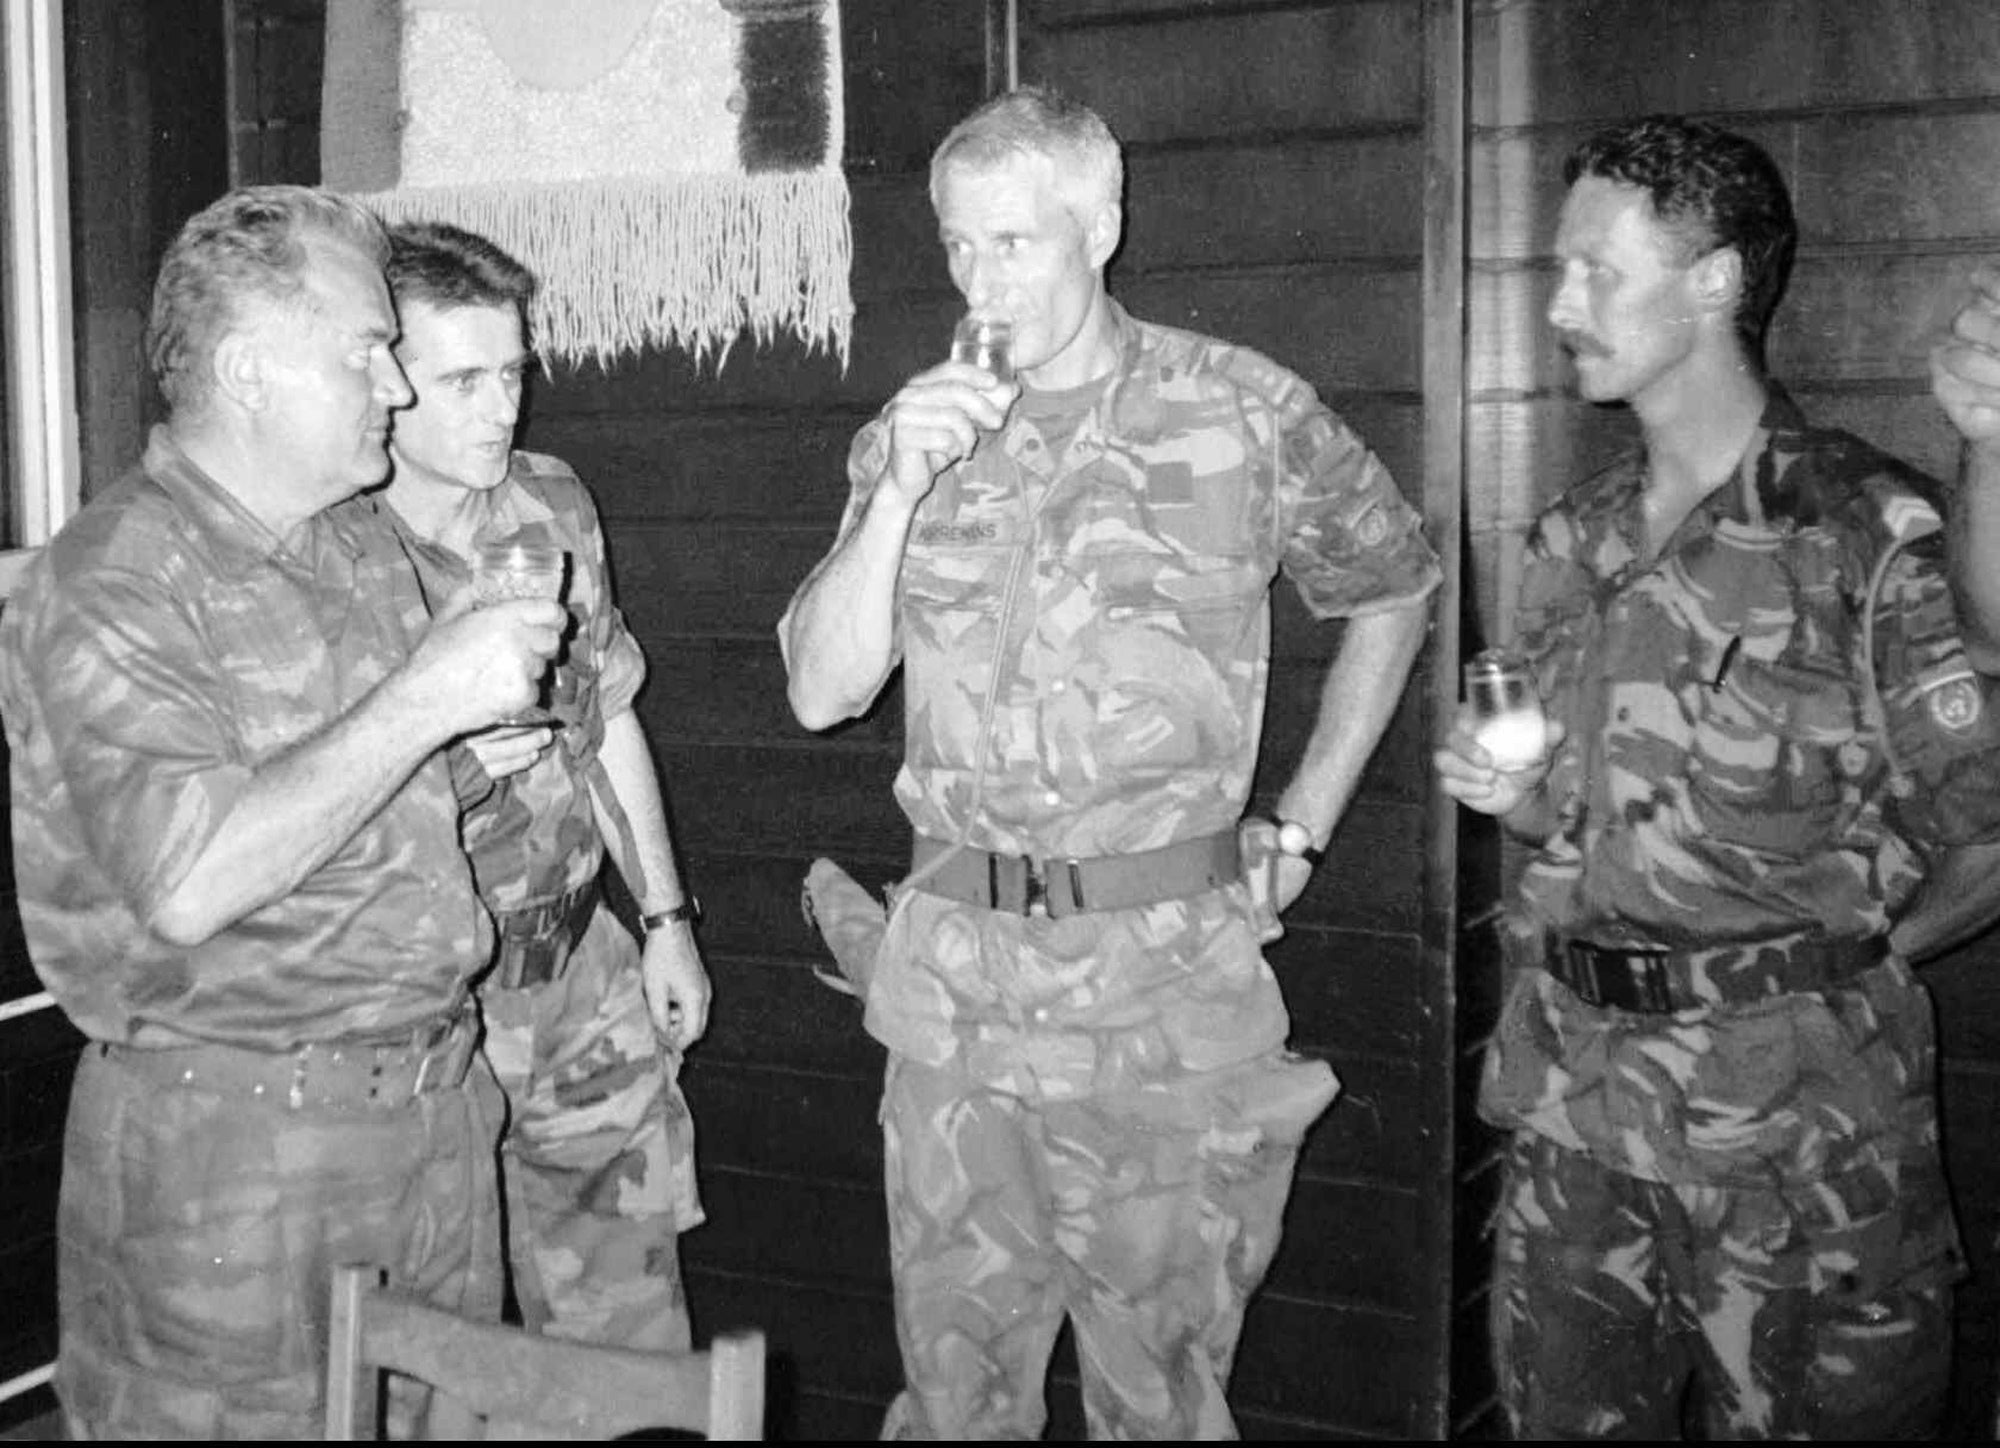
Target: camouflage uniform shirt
[
  {"x": 533, "y": 837},
  {"x": 1724, "y": 786},
  {"x": 1084, "y": 629},
  {"x": 163, "y": 647}
]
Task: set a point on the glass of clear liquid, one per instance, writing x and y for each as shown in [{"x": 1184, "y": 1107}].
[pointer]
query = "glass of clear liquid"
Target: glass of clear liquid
[
  {"x": 508, "y": 570},
  {"x": 986, "y": 342},
  {"x": 1508, "y": 722}
]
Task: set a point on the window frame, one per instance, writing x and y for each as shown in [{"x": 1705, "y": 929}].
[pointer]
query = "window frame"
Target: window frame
[{"x": 44, "y": 478}]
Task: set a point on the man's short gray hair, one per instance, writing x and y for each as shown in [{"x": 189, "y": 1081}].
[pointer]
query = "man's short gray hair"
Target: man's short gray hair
[
  {"x": 251, "y": 246},
  {"x": 1035, "y": 121}
]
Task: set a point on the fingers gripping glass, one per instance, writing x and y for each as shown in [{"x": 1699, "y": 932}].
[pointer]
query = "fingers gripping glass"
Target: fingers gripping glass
[
  {"x": 509, "y": 570},
  {"x": 1506, "y": 711}
]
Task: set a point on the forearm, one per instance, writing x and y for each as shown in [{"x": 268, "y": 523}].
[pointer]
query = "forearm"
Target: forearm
[
  {"x": 632, "y": 815},
  {"x": 298, "y": 809},
  {"x": 839, "y": 640},
  {"x": 1960, "y": 898},
  {"x": 1357, "y": 701},
  {"x": 1972, "y": 540}
]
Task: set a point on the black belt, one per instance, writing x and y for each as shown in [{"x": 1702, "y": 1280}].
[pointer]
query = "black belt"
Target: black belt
[
  {"x": 1659, "y": 982},
  {"x": 1027, "y": 885},
  {"x": 535, "y": 943}
]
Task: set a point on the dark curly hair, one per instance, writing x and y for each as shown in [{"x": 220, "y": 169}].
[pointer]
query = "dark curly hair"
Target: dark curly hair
[{"x": 1717, "y": 189}]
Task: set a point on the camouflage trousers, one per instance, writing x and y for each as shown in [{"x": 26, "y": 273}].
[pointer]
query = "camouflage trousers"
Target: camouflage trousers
[
  {"x": 598, "y": 1158},
  {"x": 1810, "y": 1314},
  {"x": 1149, "y": 1218},
  {"x": 198, "y": 1231}
]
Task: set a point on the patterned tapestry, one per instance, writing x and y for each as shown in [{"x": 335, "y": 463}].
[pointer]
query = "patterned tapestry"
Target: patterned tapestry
[{"x": 670, "y": 169}]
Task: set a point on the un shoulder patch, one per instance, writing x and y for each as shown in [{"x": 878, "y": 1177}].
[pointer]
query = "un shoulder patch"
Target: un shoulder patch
[
  {"x": 1954, "y": 701},
  {"x": 1371, "y": 530}
]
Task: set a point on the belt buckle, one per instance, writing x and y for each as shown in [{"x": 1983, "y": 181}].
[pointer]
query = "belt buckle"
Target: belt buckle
[
  {"x": 1034, "y": 886},
  {"x": 1650, "y": 982},
  {"x": 1581, "y": 977}
]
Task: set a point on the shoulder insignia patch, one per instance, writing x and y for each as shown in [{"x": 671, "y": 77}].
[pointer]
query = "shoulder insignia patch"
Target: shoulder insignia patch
[
  {"x": 1372, "y": 529},
  {"x": 1954, "y": 701}
]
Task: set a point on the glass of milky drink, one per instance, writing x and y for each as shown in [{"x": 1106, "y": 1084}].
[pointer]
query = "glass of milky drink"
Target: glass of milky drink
[
  {"x": 1507, "y": 719},
  {"x": 509, "y": 569}
]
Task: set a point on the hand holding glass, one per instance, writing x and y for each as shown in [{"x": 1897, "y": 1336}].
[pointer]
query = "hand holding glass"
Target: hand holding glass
[
  {"x": 510, "y": 570},
  {"x": 1507, "y": 718}
]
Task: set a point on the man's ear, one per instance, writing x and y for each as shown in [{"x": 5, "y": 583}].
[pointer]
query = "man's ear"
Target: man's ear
[
  {"x": 1103, "y": 232},
  {"x": 241, "y": 371},
  {"x": 1718, "y": 280}
]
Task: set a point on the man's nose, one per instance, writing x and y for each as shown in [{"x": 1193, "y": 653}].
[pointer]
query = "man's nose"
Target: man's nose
[
  {"x": 1562, "y": 312},
  {"x": 504, "y": 404},
  {"x": 983, "y": 283},
  {"x": 391, "y": 386}
]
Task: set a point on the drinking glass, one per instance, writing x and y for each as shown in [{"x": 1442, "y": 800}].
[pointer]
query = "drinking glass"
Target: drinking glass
[
  {"x": 510, "y": 569},
  {"x": 986, "y": 342},
  {"x": 1508, "y": 722}
]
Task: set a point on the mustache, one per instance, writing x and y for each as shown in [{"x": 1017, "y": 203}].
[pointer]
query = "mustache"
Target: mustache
[{"x": 1581, "y": 344}]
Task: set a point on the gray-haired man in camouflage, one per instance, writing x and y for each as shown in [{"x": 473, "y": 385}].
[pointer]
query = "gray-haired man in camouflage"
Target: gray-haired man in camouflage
[
  {"x": 1713, "y": 1055},
  {"x": 1089, "y": 1109},
  {"x": 237, "y": 850}
]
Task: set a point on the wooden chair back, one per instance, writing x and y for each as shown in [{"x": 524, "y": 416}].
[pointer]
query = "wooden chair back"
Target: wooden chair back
[{"x": 524, "y": 1386}]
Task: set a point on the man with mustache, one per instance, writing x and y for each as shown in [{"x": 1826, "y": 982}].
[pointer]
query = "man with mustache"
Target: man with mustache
[
  {"x": 584, "y": 1030},
  {"x": 237, "y": 850},
  {"x": 1723, "y": 1193},
  {"x": 1088, "y": 1109}
]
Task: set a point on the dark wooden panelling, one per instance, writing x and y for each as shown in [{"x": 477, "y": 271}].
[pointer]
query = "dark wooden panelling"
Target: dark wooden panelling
[
  {"x": 910, "y": 71},
  {"x": 1557, "y": 60},
  {"x": 1294, "y": 202},
  {"x": 1158, "y": 79}
]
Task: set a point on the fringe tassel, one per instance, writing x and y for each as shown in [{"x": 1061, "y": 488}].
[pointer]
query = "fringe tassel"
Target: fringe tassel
[{"x": 688, "y": 261}]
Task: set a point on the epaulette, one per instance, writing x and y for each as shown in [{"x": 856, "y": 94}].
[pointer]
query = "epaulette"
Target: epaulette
[
  {"x": 542, "y": 465},
  {"x": 1245, "y": 367}
]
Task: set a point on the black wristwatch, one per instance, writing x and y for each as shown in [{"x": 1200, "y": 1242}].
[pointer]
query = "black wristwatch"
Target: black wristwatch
[
  {"x": 685, "y": 913},
  {"x": 1295, "y": 839}
]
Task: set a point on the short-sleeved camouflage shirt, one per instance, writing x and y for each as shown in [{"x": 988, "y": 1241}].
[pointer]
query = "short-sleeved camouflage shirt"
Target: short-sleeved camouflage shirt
[
  {"x": 163, "y": 647},
  {"x": 1085, "y": 641},
  {"x": 533, "y": 836},
  {"x": 1725, "y": 782}
]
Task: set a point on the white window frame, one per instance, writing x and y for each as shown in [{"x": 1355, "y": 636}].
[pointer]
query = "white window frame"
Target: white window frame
[{"x": 43, "y": 474}]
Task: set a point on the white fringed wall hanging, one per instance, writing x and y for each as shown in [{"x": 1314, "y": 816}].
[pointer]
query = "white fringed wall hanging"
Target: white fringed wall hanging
[{"x": 670, "y": 169}]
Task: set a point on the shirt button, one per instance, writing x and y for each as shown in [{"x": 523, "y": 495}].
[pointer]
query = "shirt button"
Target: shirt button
[
  {"x": 1041, "y": 1014},
  {"x": 1053, "y": 797},
  {"x": 1058, "y": 686}
]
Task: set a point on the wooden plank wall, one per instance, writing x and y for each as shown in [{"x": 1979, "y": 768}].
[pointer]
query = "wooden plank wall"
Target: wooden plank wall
[{"x": 1885, "y": 116}]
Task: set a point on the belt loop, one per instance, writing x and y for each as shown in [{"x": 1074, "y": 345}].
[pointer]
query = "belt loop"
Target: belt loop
[
  {"x": 1076, "y": 887},
  {"x": 992, "y": 881}
]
